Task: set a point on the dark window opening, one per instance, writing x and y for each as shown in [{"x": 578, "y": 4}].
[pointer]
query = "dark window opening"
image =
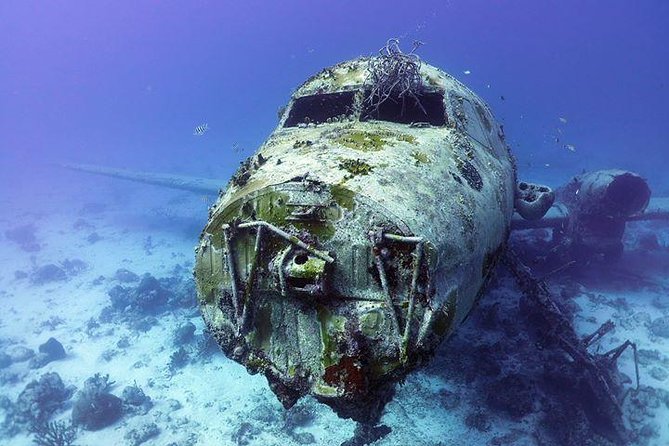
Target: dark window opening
[
  {"x": 320, "y": 108},
  {"x": 408, "y": 110}
]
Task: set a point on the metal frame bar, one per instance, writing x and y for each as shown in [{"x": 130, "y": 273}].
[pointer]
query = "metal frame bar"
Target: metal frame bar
[
  {"x": 375, "y": 237},
  {"x": 613, "y": 355},
  {"x": 250, "y": 280},
  {"x": 418, "y": 259},
  {"x": 232, "y": 269},
  {"x": 386, "y": 291},
  {"x": 282, "y": 277},
  {"x": 290, "y": 238}
]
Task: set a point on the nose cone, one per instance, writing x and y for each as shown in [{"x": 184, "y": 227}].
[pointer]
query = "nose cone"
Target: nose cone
[{"x": 317, "y": 288}]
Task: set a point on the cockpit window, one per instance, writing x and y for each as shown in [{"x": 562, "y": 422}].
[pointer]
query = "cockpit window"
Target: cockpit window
[
  {"x": 428, "y": 108},
  {"x": 320, "y": 108}
]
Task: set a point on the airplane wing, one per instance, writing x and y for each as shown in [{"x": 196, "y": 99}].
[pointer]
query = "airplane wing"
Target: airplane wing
[
  {"x": 658, "y": 209},
  {"x": 192, "y": 184}
]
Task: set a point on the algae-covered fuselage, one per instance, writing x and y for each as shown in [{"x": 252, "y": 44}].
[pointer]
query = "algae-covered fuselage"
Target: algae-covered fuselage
[{"x": 356, "y": 238}]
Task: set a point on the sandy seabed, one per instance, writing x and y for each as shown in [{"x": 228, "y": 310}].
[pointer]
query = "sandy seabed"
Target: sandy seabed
[{"x": 211, "y": 400}]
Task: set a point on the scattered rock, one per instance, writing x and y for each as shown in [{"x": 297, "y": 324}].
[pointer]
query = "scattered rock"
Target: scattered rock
[
  {"x": 109, "y": 354},
  {"x": 184, "y": 334},
  {"x": 72, "y": 267},
  {"x": 649, "y": 430},
  {"x": 660, "y": 327},
  {"x": 93, "y": 237},
  {"x": 81, "y": 224},
  {"x": 148, "y": 297},
  {"x": 135, "y": 400},
  {"x": 51, "y": 350},
  {"x": 55, "y": 273},
  {"x": 143, "y": 324},
  {"x": 24, "y": 236},
  {"x": 642, "y": 405},
  {"x": 19, "y": 353},
  {"x": 245, "y": 434},
  {"x": 124, "y": 342},
  {"x": 10, "y": 378},
  {"x": 52, "y": 323},
  {"x": 138, "y": 305},
  {"x": 659, "y": 373},
  {"x": 47, "y": 274},
  {"x": 5, "y": 360},
  {"x": 304, "y": 438},
  {"x": 661, "y": 302},
  {"x": 40, "y": 399},
  {"x": 173, "y": 404},
  {"x": 125, "y": 276},
  {"x": 141, "y": 434},
  {"x": 648, "y": 357}
]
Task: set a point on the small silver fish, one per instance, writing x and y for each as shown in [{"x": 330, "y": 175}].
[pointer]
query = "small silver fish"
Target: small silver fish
[
  {"x": 201, "y": 129},
  {"x": 570, "y": 147},
  {"x": 563, "y": 120}
]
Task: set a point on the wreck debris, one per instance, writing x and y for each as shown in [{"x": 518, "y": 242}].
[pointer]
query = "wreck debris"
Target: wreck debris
[
  {"x": 597, "y": 372},
  {"x": 533, "y": 200}
]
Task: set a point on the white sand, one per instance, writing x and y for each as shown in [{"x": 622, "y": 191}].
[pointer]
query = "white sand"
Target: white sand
[{"x": 217, "y": 395}]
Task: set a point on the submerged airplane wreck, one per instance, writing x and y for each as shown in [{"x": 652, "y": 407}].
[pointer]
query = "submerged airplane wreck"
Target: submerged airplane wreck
[{"x": 364, "y": 230}]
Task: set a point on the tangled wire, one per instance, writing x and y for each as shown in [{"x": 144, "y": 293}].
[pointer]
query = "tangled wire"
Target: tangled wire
[{"x": 394, "y": 75}]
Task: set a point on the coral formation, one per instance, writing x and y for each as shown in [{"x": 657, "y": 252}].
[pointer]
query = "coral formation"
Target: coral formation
[
  {"x": 55, "y": 433},
  {"x": 40, "y": 399},
  {"x": 95, "y": 408},
  {"x": 135, "y": 400},
  {"x": 137, "y": 306}
]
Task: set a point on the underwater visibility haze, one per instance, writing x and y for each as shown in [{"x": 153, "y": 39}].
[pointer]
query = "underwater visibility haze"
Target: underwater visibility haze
[{"x": 334, "y": 223}]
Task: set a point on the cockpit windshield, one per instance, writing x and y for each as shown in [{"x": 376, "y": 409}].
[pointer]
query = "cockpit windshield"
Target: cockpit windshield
[
  {"x": 425, "y": 107},
  {"x": 320, "y": 108}
]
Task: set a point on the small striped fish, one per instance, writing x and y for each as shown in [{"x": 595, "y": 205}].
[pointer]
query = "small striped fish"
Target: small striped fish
[{"x": 201, "y": 129}]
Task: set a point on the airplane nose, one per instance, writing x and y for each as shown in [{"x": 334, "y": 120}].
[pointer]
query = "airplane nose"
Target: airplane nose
[{"x": 320, "y": 288}]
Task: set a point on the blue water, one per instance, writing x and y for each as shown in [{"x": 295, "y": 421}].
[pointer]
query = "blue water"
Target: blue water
[{"x": 125, "y": 83}]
